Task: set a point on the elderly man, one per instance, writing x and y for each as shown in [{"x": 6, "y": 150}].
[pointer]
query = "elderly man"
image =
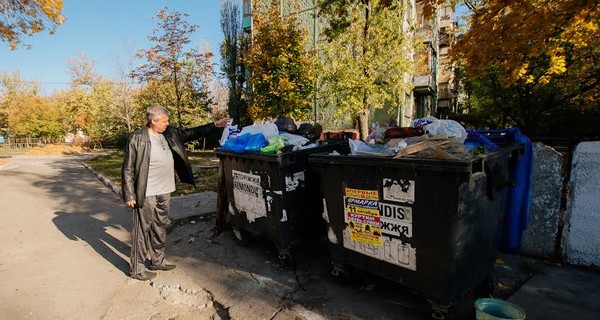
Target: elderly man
[{"x": 152, "y": 156}]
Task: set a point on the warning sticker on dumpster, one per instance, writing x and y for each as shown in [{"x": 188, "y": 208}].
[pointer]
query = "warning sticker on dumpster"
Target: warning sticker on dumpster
[
  {"x": 248, "y": 195},
  {"x": 399, "y": 190},
  {"x": 393, "y": 251},
  {"x": 362, "y": 216},
  {"x": 396, "y": 220}
]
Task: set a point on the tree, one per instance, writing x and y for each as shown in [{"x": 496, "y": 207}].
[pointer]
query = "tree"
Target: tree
[
  {"x": 12, "y": 88},
  {"x": 282, "y": 72},
  {"x": 366, "y": 56},
  {"x": 544, "y": 55},
  {"x": 19, "y": 18},
  {"x": 169, "y": 62},
  {"x": 123, "y": 105},
  {"x": 103, "y": 109},
  {"x": 36, "y": 117},
  {"x": 231, "y": 65}
]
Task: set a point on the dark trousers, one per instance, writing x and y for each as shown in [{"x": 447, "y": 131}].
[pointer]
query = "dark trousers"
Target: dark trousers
[{"x": 148, "y": 234}]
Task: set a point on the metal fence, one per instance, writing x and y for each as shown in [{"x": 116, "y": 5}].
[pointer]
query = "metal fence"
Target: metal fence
[{"x": 15, "y": 143}]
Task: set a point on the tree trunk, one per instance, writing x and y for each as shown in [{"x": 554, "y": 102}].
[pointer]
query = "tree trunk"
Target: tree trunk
[{"x": 363, "y": 124}]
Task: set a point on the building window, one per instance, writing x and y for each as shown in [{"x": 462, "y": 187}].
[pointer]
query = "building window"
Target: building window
[{"x": 246, "y": 8}]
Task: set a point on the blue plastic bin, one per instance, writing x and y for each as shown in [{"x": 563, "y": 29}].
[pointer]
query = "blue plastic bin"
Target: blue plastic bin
[{"x": 519, "y": 194}]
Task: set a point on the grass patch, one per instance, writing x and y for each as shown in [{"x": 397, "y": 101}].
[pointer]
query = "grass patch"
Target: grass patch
[{"x": 109, "y": 164}]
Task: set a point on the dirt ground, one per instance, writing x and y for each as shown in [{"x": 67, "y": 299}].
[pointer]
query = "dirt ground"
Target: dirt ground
[{"x": 56, "y": 149}]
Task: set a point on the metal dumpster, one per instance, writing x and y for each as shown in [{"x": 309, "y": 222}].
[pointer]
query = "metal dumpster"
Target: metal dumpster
[
  {"x": 274, "y": 196},
  {"x": 430, "y": 225}
]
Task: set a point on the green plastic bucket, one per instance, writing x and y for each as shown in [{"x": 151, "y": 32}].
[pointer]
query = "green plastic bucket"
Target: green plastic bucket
[{"x": 494, "y": 309}]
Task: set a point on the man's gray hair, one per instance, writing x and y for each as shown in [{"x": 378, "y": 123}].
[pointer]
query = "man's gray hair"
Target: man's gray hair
[{"x": 154, "y": 112}]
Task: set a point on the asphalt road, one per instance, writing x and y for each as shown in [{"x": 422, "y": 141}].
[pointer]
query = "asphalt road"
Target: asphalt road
[{"x": 64, "y": 240}]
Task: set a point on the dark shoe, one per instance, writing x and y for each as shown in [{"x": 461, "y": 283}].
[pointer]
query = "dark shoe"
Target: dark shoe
[
  {"x": 162, "y": 267},
  {"x": 144, "y": 276}
]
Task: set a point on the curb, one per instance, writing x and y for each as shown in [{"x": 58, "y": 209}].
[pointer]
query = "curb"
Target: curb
[{"x": 107, "y": 182}]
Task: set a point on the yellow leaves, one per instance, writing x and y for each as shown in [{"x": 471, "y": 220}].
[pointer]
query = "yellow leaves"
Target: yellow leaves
[
  {"x": 24, "y": 18},
  {"x": 581, "y": 30},
  {"x": 522, "y": 73},
  {"x": 534, "y": 43},
  {"x": 558, "y": 63},
  {"x": 52, "y": 9}
]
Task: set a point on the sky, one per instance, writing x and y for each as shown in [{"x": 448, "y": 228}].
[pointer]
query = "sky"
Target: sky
[{"x": 109, "y": 32}]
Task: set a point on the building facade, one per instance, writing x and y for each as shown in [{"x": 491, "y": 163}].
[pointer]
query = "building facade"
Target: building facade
[{"x": 433, "y": 87}]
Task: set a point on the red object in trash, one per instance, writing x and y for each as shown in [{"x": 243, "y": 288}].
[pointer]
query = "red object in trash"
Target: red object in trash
[{"x": 403, "y": 132}]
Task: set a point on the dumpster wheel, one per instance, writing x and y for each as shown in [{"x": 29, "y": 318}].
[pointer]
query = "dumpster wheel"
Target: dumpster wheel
[
  {"x": 340, "y": 273},
  {"x": 285, "y": 259},
  {"x": 487, "y": 287}
]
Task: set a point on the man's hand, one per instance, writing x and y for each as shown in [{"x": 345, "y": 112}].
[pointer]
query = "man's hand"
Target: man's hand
[
  {"x": 130, "y": 203},
  {"x": 221, "y": 123}
]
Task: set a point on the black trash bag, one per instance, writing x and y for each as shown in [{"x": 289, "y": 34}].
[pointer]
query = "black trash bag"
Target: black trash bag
[
  {"x": 286, "y": 124},
  {"x": 310, "y": 132}
]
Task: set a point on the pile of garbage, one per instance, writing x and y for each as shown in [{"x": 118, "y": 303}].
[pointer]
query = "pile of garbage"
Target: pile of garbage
[
  {"x": 426, "y": 138},
  {"x": 277, "y": 137}
]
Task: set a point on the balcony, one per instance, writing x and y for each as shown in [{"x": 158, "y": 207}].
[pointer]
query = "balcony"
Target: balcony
[
  {"x": 444, "y": 91},
  {"x": 425, "y": 34},
  {"x": 423, "y": 85}
]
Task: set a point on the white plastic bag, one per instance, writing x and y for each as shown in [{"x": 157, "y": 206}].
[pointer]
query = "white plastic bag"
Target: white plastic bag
[
  {"x": 230, "y": 132},
  {"x": 293, "y": 139},
  {"x": 268, "y": 129},
  {"x": 437, "y": 127}
]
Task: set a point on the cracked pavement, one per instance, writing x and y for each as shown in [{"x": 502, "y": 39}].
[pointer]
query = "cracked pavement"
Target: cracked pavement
[{"x": 66, "y": 245}]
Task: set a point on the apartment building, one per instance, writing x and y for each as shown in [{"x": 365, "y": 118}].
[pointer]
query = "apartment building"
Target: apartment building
[{"x": 433, "y": 89}]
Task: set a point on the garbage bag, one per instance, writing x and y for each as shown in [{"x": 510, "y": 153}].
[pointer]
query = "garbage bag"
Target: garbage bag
[
  {"x": 477, "y": 143},
  {"x": 286, "y": 124},
  {"x": 256, "y": 142},
  {"x": 267, "y": 129},
  {"x": 310, "y": 132},
  {"x": 275, "y": 143},
  {"x": 230, "y": 132},
  {"x": 237, "y": 144},
  {"x": 442, "y": 127}
]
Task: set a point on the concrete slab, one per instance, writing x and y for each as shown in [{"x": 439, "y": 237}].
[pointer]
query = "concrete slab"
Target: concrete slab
[
  {"x": 193, "y": 205},
  {"x": 564, "y": 292}
]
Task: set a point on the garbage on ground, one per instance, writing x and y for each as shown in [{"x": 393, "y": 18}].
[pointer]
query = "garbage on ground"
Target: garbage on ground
[{"x": 279, "y": 137}]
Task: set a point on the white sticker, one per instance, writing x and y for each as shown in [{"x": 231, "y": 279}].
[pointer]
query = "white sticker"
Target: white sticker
[
  {"x": 331, "y": 235},
  {"x": 393, "y": 251},
  {"x": 294, "y": 181},
  {"x": 248, "y": 195},
  {"x": 325, "y": 214},
  {"x": 399, "y": 190},
  {"x": 269, "y": 202},
  {"x": 396, "y": 220}
]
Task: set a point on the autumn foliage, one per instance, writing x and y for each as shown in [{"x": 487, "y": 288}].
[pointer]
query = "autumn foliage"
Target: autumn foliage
[
  {"x": 530, "y": 40},
  {"x": 19, "y": 18},
  {"x": 536, "y": 62},
  {"x": 282, "y": 72}
]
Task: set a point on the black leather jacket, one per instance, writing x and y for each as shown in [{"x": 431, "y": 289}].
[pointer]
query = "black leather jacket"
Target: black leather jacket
[{"x": 134, "y": 174}]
